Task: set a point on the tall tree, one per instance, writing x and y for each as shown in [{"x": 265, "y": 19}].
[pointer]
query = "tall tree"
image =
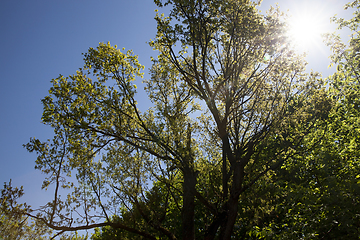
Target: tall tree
[
  {"x": 228, "y": 95},
  {"x": 237, "y": 63},
  {"x": 314, "y": 195}
]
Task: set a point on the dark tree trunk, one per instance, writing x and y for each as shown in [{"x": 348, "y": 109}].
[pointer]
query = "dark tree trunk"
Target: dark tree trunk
[
  {"x": 232, "y": 204},
  {"x": 188, "y": 208}
]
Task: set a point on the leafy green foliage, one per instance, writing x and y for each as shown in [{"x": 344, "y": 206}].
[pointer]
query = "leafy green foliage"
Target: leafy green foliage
[
  {"x": 14, "y": 223},
  {"x": 314, "y": 195},
  {"x": 240, "y": 141}
]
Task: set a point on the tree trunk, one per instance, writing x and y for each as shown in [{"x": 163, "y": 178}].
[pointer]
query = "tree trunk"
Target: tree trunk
[
  {"x": 188, "y": 208},
  {"x": 232, "y": 209}
]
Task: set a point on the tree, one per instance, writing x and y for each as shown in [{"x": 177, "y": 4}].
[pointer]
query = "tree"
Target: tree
[
  {"x": 231, "y": 104},
  {"x": 14, "y": 223},
  {"x": 15, "y": 220},
  {"x": 314, "y": 194}
]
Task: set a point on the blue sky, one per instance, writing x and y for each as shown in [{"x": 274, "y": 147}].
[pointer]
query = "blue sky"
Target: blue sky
[{"x": 41, "y": 39}]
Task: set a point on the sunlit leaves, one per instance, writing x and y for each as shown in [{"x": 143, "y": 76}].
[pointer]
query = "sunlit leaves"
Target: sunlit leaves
[
  {"x": 231, "y": 104},
  {"x": 14, "y": 223}
]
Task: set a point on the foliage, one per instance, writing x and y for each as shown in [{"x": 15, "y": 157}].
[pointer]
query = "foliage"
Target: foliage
[
  {"x": 314, "y": 195},
  {"x": 240, "y": 141},
  {"x": 14, "y": 223}
]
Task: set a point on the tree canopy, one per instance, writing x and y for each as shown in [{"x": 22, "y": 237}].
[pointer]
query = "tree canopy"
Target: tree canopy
[{"x": 240, "y": 142}]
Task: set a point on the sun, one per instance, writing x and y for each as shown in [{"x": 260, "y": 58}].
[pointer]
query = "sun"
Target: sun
[{"x": 305, "y": 30}]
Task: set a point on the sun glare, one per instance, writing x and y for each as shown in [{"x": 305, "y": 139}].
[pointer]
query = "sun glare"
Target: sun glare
[{"x": 305, "y": 30}]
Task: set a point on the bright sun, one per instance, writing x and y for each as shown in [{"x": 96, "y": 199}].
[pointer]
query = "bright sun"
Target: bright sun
[{"x": 305, "y": 30}]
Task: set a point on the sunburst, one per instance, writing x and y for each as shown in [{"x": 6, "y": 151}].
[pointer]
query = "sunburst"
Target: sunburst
[{"x": 305, "y": 30}]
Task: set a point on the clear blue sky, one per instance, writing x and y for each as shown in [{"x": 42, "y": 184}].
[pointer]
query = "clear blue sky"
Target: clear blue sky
[{"x": 41, "y": 39}]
